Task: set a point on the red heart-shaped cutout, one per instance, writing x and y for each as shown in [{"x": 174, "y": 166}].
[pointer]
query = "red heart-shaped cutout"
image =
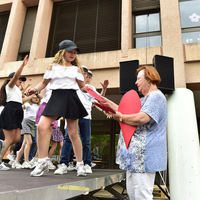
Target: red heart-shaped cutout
[{"x": 129, "y": 104}]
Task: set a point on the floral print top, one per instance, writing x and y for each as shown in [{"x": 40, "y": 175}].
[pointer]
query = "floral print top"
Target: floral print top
[{"x": 147, "y": 151}]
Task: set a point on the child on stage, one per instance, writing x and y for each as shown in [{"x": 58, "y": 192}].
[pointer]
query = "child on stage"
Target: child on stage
[{"x": 65, "y": 79}]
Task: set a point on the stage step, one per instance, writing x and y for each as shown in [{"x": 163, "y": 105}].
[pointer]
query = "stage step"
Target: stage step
[{"x": 158, "y": 194}]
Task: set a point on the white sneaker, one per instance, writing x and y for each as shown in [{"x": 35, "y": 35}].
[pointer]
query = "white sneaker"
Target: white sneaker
[
  {"x": 81, "y": 170},
  {"x": 71, "y": 166},
  {"x": 88, "y": 169},
  {"x": 11, "y": 157},
  {"x": 40, "y": 169},
  {"x": 51, "y": 166},
  {"x": 33, "y": 162},
  {"x": 11, "y": 162},
  {"x": 26, "y": 165},
  {"x": 3, "y": 167},
  {"x": 93, "y": 164},
  {"x": 62, "y": 169},
  {"x": 2, "y": 145},
  {"x": 16, "y": 165}
]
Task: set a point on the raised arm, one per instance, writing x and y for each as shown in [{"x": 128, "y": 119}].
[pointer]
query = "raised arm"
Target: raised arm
[
  {"x": 13, "y": 81},
  {"x": 104, "y": 87}
]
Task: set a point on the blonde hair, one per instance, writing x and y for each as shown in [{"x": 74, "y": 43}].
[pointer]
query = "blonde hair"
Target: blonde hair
[
  {"x": 59, "y": 59},
  {"x": 31, "y": 102}
]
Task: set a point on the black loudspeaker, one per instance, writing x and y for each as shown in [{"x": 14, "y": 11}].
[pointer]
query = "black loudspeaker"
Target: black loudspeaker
[
  {"x": 165, "y": 67},
  {"x": 127, "y": 75}
]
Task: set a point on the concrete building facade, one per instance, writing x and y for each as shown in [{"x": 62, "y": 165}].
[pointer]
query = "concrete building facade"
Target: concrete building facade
[{"x": 105, "y": 64}]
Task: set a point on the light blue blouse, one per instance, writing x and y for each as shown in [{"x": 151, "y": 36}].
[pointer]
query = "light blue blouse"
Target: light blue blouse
[{"x": 147, "y": 151}]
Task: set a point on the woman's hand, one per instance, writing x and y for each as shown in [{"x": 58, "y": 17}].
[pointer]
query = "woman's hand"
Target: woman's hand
[
  {"x": 106, "y": 102},
  {"x": 109, "y": 103}
]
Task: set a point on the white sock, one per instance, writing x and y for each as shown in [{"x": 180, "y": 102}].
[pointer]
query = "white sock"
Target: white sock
[
  {"x": 79, "y": 163},
  {"x": 42, "y": 160}
]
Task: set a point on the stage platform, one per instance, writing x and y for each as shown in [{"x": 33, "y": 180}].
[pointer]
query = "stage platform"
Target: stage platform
[{"x": 18, "y": 185}]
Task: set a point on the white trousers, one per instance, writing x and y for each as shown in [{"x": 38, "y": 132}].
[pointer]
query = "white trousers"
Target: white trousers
[{"x": 140, "y": 185}]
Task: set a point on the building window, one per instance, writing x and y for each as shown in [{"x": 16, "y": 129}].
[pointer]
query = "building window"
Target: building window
[
  {"x": 94, "y": 25},
  {"x": 27, "y": 33},
  {"x": 190, "y": 20},
  {"x": 3, "y": 25},
  {"x": 146, "y": 23}
]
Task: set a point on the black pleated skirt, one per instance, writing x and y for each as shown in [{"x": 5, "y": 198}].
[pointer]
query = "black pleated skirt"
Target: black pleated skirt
[
  {"x": 65, "y": 103},
  {"x": 12, "y": 116}
]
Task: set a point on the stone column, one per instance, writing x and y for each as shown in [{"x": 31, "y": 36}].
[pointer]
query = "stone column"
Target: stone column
[
  {"x": 41, "y": 30},
  {"x": 183, "y": 146},
  {"x": 172, "y": 38},
  {"x": 126, "y": 29},
  {"x": 13, "y": 33}
]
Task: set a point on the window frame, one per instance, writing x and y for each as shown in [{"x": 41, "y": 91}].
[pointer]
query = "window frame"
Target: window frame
[
  {"x": 103, "y": 40},
  {"x": 188, "y": 29},
  {"x": 144, "y": 34},
  {"x": 27, "y": 33}
]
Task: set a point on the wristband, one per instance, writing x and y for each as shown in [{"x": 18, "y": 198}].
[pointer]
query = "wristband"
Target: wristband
[
  {"x": 36, "y": 90},
  {"x": 120, "y": 119}
]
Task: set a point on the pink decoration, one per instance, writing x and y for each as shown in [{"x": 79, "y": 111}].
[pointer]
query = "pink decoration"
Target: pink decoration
[
  {"x": 94, "y": 94},
  {"x": 129, "y": 104},
  {"x": 105, "y": 108}
]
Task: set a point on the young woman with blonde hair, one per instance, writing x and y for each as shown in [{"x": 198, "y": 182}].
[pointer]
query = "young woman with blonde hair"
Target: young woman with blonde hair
[{"x": 65, "y": 79}]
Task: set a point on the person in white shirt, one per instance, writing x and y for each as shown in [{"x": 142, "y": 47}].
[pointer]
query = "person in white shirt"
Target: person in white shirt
[
  {"x": 28, "y": 130},
  {"x": 12, "y": 114},
  {"x": 84, "y": 130},
  {"x": 65, "y": 79}
]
